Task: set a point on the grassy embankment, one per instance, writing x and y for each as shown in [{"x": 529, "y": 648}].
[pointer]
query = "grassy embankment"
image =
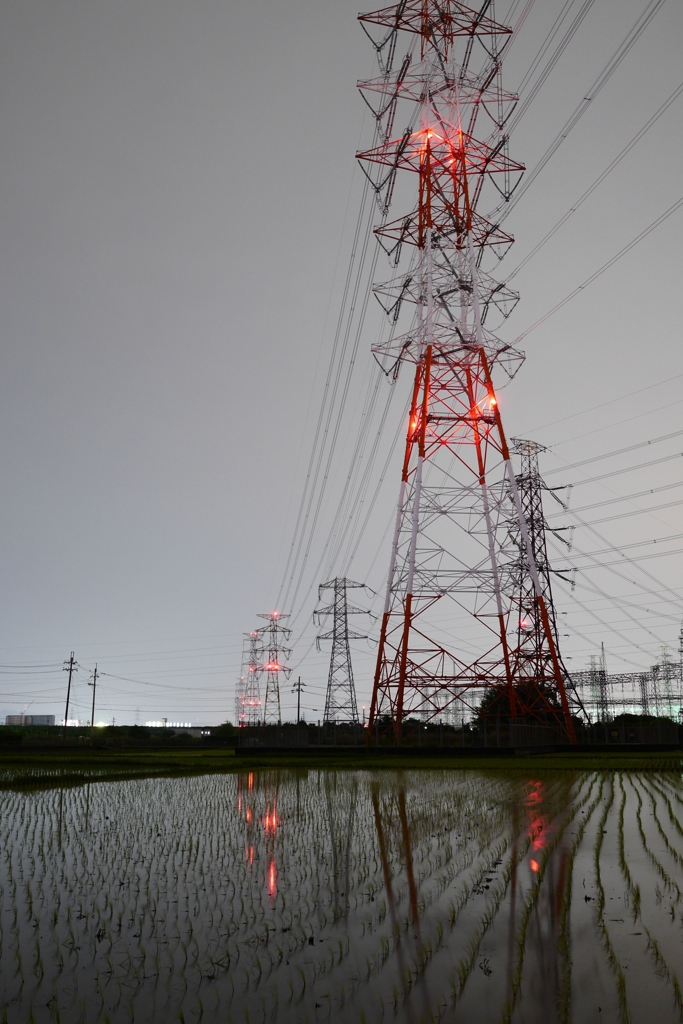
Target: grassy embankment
[{"x": 73, "y": 766}]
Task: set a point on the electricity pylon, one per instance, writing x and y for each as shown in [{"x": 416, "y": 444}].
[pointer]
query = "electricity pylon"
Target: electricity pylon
[
  {"x": 340, "y": 701},
  {"x": 449, "y": 630},
  {"x": 273, "y": 639},
  {"x": 249, "y": 707},
  {"x": 535, "y": 687}
]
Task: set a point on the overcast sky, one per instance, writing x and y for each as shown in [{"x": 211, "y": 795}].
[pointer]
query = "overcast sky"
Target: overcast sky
[{"x": 178, "y": 193}]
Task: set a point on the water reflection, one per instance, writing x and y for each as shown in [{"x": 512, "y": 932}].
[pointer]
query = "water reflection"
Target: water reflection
[
  {"x": 312, "y": 896},
  {"x": 257, "y": 805},
  {"x": 341, "y": 812}
]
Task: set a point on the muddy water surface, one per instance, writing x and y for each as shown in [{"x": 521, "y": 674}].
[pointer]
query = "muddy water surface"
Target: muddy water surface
[{"x": 349, "y": 896}]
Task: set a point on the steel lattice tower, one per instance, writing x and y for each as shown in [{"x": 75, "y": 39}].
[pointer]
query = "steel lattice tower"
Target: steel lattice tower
[
  {"x": 340, "y": 701},
  {"x": 535, "y": 685},
  {"x": 249, "y": 706},
  {"x": 450, "y": 629},
  {"x": 273, "y": 639}
]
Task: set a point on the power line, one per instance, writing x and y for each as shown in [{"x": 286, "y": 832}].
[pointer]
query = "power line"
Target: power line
[
  {"x": 598, "y": 85},
  {"x": 598, "y": 181},
  {"x": 601, "y": 270},
  {"x": 617, "y": 451}
]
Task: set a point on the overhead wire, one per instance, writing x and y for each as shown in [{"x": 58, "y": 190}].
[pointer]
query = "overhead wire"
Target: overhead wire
[
  {"x": 614, "y": 453},
  {"x": 547, "y": 70},
  {"x": 327, "y": 403},
  {"x": 597, "y": 182},
  {"x": 621, "y": 498},
  {"x": 641, "y": 23},
  {"x": 601, "y": 270},
  {"x": 602, "y": 405}
]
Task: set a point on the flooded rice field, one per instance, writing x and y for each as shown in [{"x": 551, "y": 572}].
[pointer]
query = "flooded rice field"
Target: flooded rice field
[{"x": 348, "y": 896}]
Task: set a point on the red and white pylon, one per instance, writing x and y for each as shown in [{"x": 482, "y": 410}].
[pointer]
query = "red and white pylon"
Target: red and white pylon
[
  {"x": 274, "y": 638},
  {"x": 249, "y": 706},
  {"x": 451, "y": 617}
]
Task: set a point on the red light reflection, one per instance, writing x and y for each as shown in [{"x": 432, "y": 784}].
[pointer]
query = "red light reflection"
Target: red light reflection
[
  {"x": 539, "y": 827},
  {"x": 271, "y": 821}
]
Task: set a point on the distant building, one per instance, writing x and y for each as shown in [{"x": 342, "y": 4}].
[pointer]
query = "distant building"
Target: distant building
[{"x": 29, "y": 720}]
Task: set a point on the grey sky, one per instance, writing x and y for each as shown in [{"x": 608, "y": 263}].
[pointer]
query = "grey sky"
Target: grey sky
[{"x": 177, "y": 197}]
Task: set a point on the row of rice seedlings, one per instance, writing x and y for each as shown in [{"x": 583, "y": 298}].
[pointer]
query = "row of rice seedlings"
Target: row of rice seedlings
[
  {"x": 652, "y": 794},
  {"x": 669, "y": 883},
  {"x": 660, "y": 962},
  {"x": 612, "y": 958}
]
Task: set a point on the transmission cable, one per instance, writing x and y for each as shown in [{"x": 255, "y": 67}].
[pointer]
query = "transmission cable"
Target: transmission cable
[
  {"x": 328, "y": 400},
  {"x": 606, "y": 266},
  {"x": 552, "y": 61},
  {"x": 598, "y": 181},
  {"x": 601, "y": 81},
  {"x": 617, "y": 451},
  {"x": 620, "y": 498}
]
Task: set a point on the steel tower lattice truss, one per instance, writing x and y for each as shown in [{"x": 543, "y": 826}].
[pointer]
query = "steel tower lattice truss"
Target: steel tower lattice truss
[
  {"x": 249, "y": 708},
  {"x": 340, "y": 701},
  {"x": 450, "y": 628},
  {"x": 533, "y": 652},
  {"x": 274, "y": 638}
]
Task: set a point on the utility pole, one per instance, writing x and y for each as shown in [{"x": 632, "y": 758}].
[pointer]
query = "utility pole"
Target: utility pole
[
  {"x": 93, "y": 683},
  {"x": 69, "y": 667},
  {"x": 298, "y": 687}
]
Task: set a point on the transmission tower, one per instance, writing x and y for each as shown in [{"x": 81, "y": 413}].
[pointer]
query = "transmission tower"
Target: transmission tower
[
  {"x": 535, "y": 686},
  {"x": 249, "y": 708},
  {"x": 599, "y": 686},
  {"x": 273, "y": 640},
  {"x": 449, "y": 628},
  {"x": 340, "y": 702}
]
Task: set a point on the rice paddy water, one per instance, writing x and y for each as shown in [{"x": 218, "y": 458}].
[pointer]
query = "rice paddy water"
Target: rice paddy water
[{"x": 305, "y": 896}]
